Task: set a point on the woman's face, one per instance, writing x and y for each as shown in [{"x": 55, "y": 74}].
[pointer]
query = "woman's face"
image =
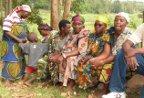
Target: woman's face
[
  {"x": 67, "y": 28},
  {"x": 77, "y": 26},
  {"x": 100, "y": 27},
  {"x": 25, "y": 14},
  {"x": 120, "y": 23},
  {"x": 44, "y": 32}
]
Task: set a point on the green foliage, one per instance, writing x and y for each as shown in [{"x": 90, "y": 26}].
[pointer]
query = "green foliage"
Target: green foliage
[
  {"x": 45, "y": 4},
  {"x": 39, "y": 4},
  {"x": 35, "y": 17},
  {"x": 79, "y": 6},
  {"x": 135, "y": 21},
  {"x": 117, "y": 7},
  {"x": 106, "y": 6}
]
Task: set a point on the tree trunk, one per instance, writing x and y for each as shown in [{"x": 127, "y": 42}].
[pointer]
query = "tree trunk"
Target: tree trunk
[
  {"x": 7, "y": 6},
  {"x": 54, "y": 14},
  {"x": 67, "y": 7}
]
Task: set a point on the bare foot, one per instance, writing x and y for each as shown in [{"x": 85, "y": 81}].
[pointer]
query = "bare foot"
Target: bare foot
[{"x": 8, "y": 83}]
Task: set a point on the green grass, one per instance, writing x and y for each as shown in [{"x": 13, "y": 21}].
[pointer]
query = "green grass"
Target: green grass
[{"x": 37, "y": 91}]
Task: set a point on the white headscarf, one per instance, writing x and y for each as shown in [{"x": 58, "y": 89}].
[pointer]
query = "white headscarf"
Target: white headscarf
[
  {"x": 26, "y": 8},
  {"x": 22, "y": 7},
  {"x": 125, "y": 15}
]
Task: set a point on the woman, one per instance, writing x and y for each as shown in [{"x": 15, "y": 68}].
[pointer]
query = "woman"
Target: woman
[
  {"x": 78, "y": 43},
  {"x": 118, "y": 34},
  {"x": 98, "y": 48},
  {"x": 14, "y": 32},
  {"x": 59, "y": 42}
]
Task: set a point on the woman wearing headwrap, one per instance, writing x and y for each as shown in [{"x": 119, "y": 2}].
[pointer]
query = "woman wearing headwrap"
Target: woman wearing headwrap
[
  {"x": 78, "y": 41},
  {"x": 119, "y": 34},
  {"x": 98, "y": 48},
  {"x": 14, "y": 32}
]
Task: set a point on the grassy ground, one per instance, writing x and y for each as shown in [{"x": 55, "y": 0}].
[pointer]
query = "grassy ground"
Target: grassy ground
[{"x": 36, "y": 91}]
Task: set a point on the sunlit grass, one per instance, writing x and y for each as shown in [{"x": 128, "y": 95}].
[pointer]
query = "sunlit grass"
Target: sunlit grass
[{"x": 38, "y": 91}]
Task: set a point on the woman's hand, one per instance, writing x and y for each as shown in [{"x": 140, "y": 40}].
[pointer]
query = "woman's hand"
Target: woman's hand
[
  {"x": 130, "y": 52},
  {"x": 85, "y": 59},
  {"x": 96, "y": 62},
  {"x": 132, "y": 62},
  {"x": 56, "y": 57},
  {"x": 22, "y": 40}
]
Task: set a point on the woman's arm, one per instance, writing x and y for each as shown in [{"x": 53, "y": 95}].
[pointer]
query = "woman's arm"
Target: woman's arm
[
  {"x": 15, "y": 38},
  {"x": 105, "y": 53},
  {"x": 99, "y": 60},
  {"x": 130, "y": 53},
  {"x": 109, "y": 59}
]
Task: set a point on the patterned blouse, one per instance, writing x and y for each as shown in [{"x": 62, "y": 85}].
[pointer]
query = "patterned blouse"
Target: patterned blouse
[
  {"x": 117, "y": 42},
  {"x": 96, "y": 43}
]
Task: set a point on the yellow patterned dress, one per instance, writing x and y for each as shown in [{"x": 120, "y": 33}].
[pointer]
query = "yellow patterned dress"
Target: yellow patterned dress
[
  {"x": 88, "y": 76},
  {"x": 11, "y": 54}
]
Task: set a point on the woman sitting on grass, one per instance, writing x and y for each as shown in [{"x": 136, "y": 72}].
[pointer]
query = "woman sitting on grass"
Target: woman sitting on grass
[
  {"x": 90, "y": 73},
  {"x": 78, "y": 45},
  {"x": 118, "y": 35}
]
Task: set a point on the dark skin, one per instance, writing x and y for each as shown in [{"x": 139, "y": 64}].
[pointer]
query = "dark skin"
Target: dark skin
[
  {"x": 130, "y": 54},
  {"x": 119, "y": 24},
  {"x": 98, "y": 61},
  {"x": 100, "y": 28},
  {"x": 24, "y": 15},
  {"x": 77, "y": 26},
  {"x": 44, "y": 33},
  {"x": 57, "y": 57}
]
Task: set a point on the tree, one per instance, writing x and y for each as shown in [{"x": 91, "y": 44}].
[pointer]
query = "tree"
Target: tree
[
  {"x": 54, "y": 13},
  {"x": 67, "y": 6},
  {"x": 7, "y": 6}
]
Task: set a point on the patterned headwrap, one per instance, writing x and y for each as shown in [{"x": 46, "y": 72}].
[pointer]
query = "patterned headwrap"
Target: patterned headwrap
[
  {"x": 78, "y": 19},
  {"x": 103, "y": 19}
]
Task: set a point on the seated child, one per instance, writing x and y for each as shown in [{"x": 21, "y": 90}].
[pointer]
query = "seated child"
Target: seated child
[
  {"x": 44, "y": 64},
  {"x": 45, "y": 31}
]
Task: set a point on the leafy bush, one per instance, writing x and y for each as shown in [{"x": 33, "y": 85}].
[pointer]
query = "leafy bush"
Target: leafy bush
[
  {"x": 35, "y": 17},
  {"x": 135, "y": 21}
]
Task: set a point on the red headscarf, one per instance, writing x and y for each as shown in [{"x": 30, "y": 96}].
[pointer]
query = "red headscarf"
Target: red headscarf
[{"x": 78, "y": 19}]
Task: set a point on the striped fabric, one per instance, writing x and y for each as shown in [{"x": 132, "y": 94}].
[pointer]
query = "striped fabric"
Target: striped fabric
[{"x": 10, "y": 20}]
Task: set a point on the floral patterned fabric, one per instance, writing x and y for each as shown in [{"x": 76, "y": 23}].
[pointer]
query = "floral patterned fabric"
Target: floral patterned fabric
[
  {"x": 12, "y": 57},
  {"x": 81, "y": 42},
  {"x": 57, "y": 46},
  {"x": 87, "y": 75},
  {"x": 96, "y": 43}
]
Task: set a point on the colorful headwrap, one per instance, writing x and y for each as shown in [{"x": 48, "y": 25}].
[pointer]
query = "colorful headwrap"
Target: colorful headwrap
[
  {"x": 22, "y": 8},
  {"x": 44, "y": 26},
  {"x": 78, "y": 19},
  {"x": 125, "y": 15},
  {"x": 103, "y": 19}
]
